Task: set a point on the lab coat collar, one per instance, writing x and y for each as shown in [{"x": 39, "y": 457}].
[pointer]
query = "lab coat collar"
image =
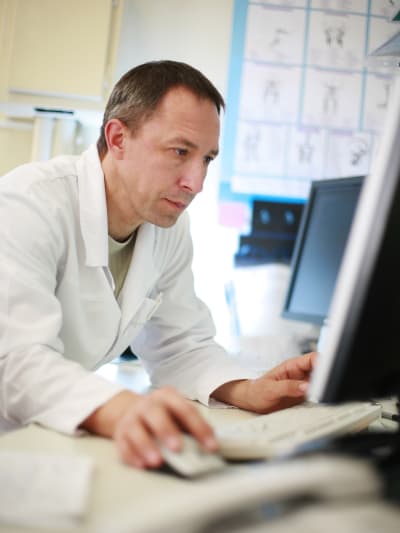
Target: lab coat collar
[
  {"x": 93, "y": 208},
  {"x": 94, "y": 226}
]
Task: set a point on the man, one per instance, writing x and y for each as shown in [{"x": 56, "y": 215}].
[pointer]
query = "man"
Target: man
[{"x": 95, "y": 255}]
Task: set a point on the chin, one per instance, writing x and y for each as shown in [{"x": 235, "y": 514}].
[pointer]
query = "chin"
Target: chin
[{"x": 164, "y": 222}]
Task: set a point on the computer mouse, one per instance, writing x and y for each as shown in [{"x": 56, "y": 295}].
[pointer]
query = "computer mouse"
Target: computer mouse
[{"x": 192, "y": 460}]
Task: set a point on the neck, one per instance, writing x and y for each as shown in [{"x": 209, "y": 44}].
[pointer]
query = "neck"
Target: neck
[{"x": 121, "y": 223}]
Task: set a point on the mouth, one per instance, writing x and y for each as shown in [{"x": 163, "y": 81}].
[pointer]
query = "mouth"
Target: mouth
[{"x": 178, "y": 205}]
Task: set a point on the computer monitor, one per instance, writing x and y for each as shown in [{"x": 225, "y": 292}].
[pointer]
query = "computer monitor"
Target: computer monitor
[
  {"x": 274, "y": 226},
  {"x": 360, "y": 355},
  {"x": 319, "y": 248}
]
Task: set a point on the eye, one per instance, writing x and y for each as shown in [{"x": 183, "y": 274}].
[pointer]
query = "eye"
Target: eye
[
  {"x": 208, "y": 159},
  {"x": 181, "y": 151}
]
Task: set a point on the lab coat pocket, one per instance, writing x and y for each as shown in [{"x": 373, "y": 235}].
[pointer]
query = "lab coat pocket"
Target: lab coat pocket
[{"x": 146, "y": 310}]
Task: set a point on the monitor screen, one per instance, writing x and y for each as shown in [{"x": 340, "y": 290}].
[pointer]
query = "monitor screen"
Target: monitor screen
[
  {"x": 360, "y": 355},
  {"x": 319, "y": 248}
]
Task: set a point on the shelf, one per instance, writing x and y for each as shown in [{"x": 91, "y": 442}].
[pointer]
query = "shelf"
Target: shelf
[{"x": 29, "y": 111}]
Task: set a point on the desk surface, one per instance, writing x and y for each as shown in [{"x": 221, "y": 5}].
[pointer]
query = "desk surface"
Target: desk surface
[
  {"x": 117, "y": 490},
  {"x": 125, "y": 499}
]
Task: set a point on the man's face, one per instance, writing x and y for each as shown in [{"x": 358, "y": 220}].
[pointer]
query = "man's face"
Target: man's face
[{"x": 164, "y": 163}]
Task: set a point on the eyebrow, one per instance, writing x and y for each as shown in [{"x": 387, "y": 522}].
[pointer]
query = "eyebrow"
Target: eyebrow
[{"x": 189, "y": 144}]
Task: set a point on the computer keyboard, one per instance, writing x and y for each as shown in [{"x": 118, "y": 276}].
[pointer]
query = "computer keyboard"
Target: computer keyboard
[{"x": 267, "y": 436}]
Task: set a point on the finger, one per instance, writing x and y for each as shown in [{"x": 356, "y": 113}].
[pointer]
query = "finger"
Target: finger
[
  {"x": 137, "y": 444},
  {"x": 296, "y": 368},
  {"x": 303, "y": 364},
  {"x": 128, "y": 453},
  {"x": 308, "y": 360},
  {"x": 159, "y": 419},
  {"x": 189, "y": 419}
]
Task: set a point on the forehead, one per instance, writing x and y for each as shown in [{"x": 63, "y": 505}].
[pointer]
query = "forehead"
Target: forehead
[
  {"x": 181, "y": 105},
  {"x": 181, "y": 94}
]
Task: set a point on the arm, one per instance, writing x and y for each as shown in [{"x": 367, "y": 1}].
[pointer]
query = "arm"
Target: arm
[
  {"x": 38, "y": 383},
  {"x": 281, "y": 387}
]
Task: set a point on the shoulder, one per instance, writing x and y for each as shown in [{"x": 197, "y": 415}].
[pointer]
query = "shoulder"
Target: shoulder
[
  {"x": 44, "y": 186},
  {"x": 33, "y": 177},
  {"x": 40, "y": 196}
]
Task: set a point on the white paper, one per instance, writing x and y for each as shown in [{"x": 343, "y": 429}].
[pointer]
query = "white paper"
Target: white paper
[
  {"x": 275, "y": 35},
  {"x": 307, "y": 96},
  {"x": 42, "y": 489}
]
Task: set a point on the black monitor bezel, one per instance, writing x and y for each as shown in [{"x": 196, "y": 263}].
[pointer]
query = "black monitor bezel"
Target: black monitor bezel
[{"x": 316, "y": 187}]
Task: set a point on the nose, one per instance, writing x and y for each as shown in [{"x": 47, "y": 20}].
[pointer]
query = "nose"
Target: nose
[{"x": 193, "y": 177}]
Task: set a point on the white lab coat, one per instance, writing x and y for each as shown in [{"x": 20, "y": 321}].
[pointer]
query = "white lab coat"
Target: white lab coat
[{"x": 59, "y": 319}]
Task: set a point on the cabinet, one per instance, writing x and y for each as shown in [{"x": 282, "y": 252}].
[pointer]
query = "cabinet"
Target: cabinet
[
  {"x": 7, "y": 18},
  {"x": 57, "y": 52},
  {"x": 55, "y": 55}
]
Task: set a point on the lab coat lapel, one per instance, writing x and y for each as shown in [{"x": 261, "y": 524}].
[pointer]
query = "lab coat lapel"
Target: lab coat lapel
[
  {"x": 141, "y": 274},
  {"x": 93, "y": 208}
]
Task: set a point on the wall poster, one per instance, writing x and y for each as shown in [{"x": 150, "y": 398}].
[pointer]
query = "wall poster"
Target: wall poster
[{"x": 303, "y": 103}]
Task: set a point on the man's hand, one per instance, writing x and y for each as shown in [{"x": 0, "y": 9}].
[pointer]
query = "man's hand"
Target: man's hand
[
  {"x": 138, "y": 424},
  {"x": 281, "y": 387}
]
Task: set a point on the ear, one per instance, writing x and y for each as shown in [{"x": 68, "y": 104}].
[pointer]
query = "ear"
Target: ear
[{"x": 115, "y": 132}]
